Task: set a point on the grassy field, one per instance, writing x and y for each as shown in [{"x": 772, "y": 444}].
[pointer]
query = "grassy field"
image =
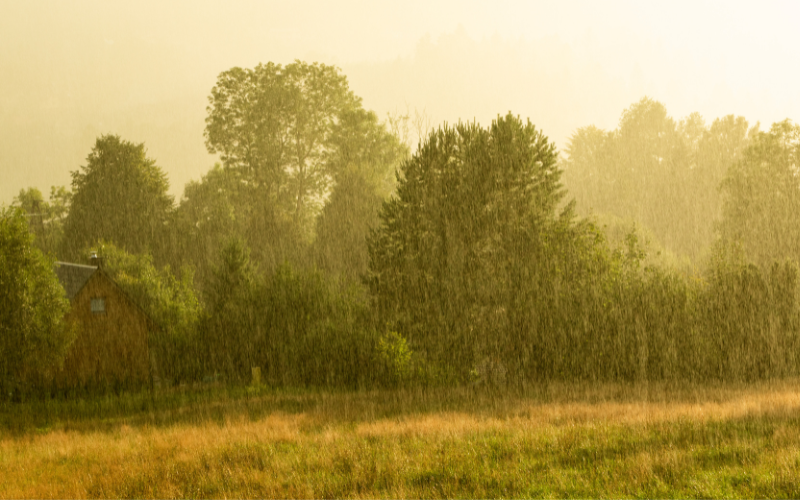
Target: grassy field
[{"x": 554, "y": 441}]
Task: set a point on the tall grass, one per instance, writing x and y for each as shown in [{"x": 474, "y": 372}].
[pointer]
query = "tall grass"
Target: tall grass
[{"x": 554, "y": 440}]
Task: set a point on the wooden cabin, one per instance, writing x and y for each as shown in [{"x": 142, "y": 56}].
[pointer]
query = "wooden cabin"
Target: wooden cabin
[{"x": 111, "y": 349}]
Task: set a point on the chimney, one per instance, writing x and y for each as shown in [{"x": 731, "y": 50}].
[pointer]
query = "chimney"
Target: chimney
[{"x": 94, "y": 260}]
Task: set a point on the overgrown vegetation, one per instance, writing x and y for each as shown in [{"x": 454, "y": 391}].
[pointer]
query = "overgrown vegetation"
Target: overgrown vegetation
[
  {"x": 333, "y": 315},
  {"x": 34, "y": 334},
  {"x": 302, "y": 259}
]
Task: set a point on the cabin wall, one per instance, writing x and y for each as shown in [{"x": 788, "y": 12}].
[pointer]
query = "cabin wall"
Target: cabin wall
[{"x": 111, "y": 348}]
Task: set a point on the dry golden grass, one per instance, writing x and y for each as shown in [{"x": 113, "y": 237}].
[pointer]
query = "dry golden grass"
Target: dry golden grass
[{"x": 563, "y": 440}]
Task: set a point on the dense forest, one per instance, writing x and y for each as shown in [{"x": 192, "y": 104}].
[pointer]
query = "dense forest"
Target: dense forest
[{"x": 326, "y": 249}]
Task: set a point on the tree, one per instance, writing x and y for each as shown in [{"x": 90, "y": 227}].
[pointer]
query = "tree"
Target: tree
[
  {"x": 471, "y": 252},
  {"x": 224, "y": 205},
  {"x": 45, "y": 218},
  {"x": 273, "y": 123},
  {"x": 658, "y": 173},
  {"x": 211, "y": 211},
  {"x": 720, "y": 147},
  {"x": 363, "y": 158},
  {"x": 653, "y": 173},
  {"x": 34, "y": 337},
  {"x": 624, "y": 171},
  {"x": 762, "y": 197},
  {"x": 229, "y": 330},
  {"x": 119, "y": 196},
  {"x": 588, "y": 168}
]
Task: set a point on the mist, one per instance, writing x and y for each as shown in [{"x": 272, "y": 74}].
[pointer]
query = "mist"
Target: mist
[
  {"x": 74, "y": 72},
  {"x": 420, "y": 249}
]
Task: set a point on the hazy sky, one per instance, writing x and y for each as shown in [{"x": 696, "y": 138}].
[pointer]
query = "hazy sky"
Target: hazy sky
[{"x": 70, "y": 71}]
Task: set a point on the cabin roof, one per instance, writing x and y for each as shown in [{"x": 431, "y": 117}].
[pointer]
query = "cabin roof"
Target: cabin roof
[{"x": 73, "y": 276}]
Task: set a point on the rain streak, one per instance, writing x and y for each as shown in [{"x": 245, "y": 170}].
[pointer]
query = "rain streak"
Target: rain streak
[{"x": 350, "y": 302}]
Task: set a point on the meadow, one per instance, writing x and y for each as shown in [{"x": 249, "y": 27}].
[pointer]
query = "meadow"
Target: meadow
[{"x": 554, "y": 440}]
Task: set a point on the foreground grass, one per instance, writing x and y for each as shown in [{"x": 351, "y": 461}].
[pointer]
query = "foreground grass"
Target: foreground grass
[{"x": 555, "y": 441}]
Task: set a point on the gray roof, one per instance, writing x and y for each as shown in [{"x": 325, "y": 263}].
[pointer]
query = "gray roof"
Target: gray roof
[{"x": 73, "y": 276}]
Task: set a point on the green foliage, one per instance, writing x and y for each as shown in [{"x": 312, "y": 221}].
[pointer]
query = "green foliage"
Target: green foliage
[
  {"x": 120, "y": 195},
  {"x": 662, "y": 174},
  {"x": 762, "y": 197},
  {"x": 225, "y": 205},
  {"x": 45, "y": 218},
  {"x": 304, "y": 168},
  {"x": 361, "y": 146},
  {"x": 363, "y": 158},
  {"x": 169, "y": 301},
  {"x": 470, "y": 257},
  {"x": 476, "y": 267},
  {"x": 294, "y": 325},
  {"x": 473, "y": 265},
  {"x": 228, "y": 331},
  {"x": 34, "y": 337},
  {"x": 288, "y": 135},
  {"x": 396, "y": 357},
  {"x": 208, "y": 214},
  {"x": 315, "y": 336},
  {"x": 616, "y": 230},
  {"x": 738, "y": 321},
  {"x": 751, "y": 320},
  {"x": 273, "y": 124},
  {"x": 343, "y": 227}
]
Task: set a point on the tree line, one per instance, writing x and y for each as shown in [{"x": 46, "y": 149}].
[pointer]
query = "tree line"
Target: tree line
[{"x": 323, "y": 252}]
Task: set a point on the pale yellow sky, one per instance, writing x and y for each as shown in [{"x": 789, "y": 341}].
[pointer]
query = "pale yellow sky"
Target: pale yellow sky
[{"x": 70, "y": 71}]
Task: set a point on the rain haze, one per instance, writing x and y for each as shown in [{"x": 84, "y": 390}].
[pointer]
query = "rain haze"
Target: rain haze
[
  {"x": 72, "y": 71},
  {"x": 399, "y": 249}
]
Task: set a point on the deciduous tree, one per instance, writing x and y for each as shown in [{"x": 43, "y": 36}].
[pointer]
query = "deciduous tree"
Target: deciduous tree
[
  {"x": 120, "y": 195},
  {"x": 762, "y": 197},
  {"x": 658, "y": 173},
  {"x": 45, "y": 218},
  {"x": 273, "y": 123},
  {"x": 34, "y": 337},
  {"x": 363, "y": 160}
]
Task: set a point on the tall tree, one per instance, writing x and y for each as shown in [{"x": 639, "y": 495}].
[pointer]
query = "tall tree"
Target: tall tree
[
  {"x": 362, "y": 161},
  {"x": 45, "y": 218},
  {"x": 651, "y": 164},
  {"x": 720, "y": 147},
  {"x": 229, "y": 330},
  {"x": 762, "y": 196},
  {"x": 211, "y": 210},
  {"x": 471, "y": 249},
  {"x": 225, "y": 205},
  {"x": 120, "y": 195},
  {"x": 273, "y": 123},
  {"x": 589, "y": 168},
  {"x": 33, "y": 334},
  {"x": 625, "y": 170},
  {"x": 661, "y": 174}
]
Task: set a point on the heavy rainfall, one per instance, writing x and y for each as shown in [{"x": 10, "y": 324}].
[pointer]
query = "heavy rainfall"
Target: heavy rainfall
[{"x": 438, "y": 249}]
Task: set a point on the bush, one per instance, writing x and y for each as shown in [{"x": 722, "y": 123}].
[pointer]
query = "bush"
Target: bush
[
  {"x": 34, "y": 337},
  {"x": 294, "y": 325},
  {"x": 395, "y": 358}
]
